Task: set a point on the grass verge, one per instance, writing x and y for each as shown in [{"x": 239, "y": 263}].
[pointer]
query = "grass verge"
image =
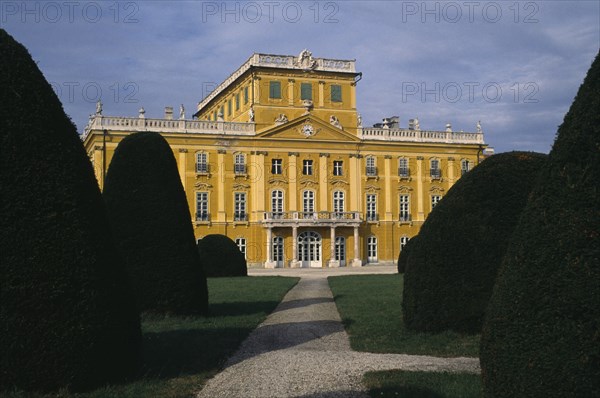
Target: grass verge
[
  {"x": 371, "y": 310},
  {"x": 180, "y": 354},
  {"x": 397, "y": 383}
]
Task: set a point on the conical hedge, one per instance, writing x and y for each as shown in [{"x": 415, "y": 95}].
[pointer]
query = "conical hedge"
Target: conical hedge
[
  {"x": 149, "y": 213},
  {"x": 220, "y": 256},
  {"x": 67, "y": 315},
  {"x": 450, "y": 271},
  {"x": 541, "y": 336}
]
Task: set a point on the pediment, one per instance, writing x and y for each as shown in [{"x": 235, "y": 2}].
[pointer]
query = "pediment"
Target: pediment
[{"x": 307, "y": 127}]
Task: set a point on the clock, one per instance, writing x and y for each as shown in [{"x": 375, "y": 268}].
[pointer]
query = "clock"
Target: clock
[{"x": 308, "y": 130}]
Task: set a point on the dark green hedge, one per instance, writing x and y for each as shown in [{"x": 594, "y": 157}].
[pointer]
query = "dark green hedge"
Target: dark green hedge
[
  {"x": 405, "y": 253},
  {"x": 67, "y": 315},
  {"x": 149, "y": 213},
  {"x": 220, "y": 256},
  {"x": 450, "y": 271},
  {"x": 541, "y": 336}
]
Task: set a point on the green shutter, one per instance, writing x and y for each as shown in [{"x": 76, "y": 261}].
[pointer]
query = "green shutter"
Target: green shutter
[
  {"x": 229, "y": 107},
  {"x": 274, "y": 89},
  {"x": 237, "y": 102},
  {"x": 306, "y": 91},
  {"x": 336, "y": 93},
  {"x": 245, "y": 95}
]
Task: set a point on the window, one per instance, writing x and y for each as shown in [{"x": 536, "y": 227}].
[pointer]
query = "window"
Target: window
[
  {"x": 403, "y": 241},
  {"x": 201, "y": 162},
  {"x": 371, "y": 168},
  {"x": 338, "y": 167},
  {"x": 241, "y": 244},
  {"x": 278, "y": 249},
  {"x": 239, "y": 165},
  {"x": 306, "y": 91},
  {"x": 435, "y": 169},
  {"x": 340, "y": 249},
  {"x": 307, "y": 167},
  {"x": 403, "y": 167},
  {"x": 308, "y": 204},
  {"x": 371, "y": 207},
  {"x": 275, "y": 89},
  {"x": 434, "y": 200},
  {"x": 229, "y": 107},
  {"x": 245, "y": 95},
  {"x": 275, "y": 166},
  {"x": 338, "y": 204},
  {"x": 336, "y": 93},
  {"x": 465, "y": 166},
  {"x": 237, "y": 102},
  {"x": 215, "y": 116},
  {"x": 202, "y": 206},
  {"x": 277, "y": 203},
  {"x": 404, "y": 208},
  {"x": 372, "y": 249},
  {"x": 239, "y": 210}
]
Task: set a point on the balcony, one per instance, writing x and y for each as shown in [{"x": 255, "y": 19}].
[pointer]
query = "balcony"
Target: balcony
[
  {"x": 403, "y": 172},
  {"x": 372, "y": 217},
  {"x": 436, "y": 174},
  {"x": 240, "y": 216},
  {"x": 304, "y": 219},
  {"x": 239, "y": 169},
  {"x": 405, "y": 218},
  {"x": 202, "y": 168},
  {"x": 202, "y": 217}
]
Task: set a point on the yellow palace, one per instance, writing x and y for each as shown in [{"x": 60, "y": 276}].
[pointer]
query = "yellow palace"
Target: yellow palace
[{"x": 277, "y": 159}]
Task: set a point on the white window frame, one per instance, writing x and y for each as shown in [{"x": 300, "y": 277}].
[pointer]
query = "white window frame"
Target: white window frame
[
  {"x": 202, "y": 206},
  {"x": 403, "y": 241},
  {"x": 404, "y": 207},
  {"x": 277, "y": 203},
  {"x": 278, "y": 249},
  {"x": 239, "y": 163},
  {"x": 339, "y": 202},
  {"x": 371, "y": 166},
  {"x": 372, "y": 249},
  {"x": 307, "y": 167},
  {"x": 338, "y": 168},
  {"x": 403, "y": 169},
  {"x": 241, "y": 244},
  {"x": 276, "y": 166},
  {"x": 308, "y": 204},
  {"x": 340, "y": 249},
  {"x": 239, "y": 210},
  {"x": 435, "y": 170},
  {"x": 435, "y": 199},
  {"x": 371, "y": 201},
  {"x": 201, "y": 162},
  {"x": 465, "y": 166}
]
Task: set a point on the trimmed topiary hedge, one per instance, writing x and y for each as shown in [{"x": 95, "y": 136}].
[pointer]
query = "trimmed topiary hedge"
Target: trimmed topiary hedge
[
  {"x": 67, "y": 315},
  {"x": 220, "y": 256},
  {"x": 149, "y": 213},
  {"x": 450, "y": 271},
  {"x": 541, "y": 334},
  {"x": 405, "y": 253}
]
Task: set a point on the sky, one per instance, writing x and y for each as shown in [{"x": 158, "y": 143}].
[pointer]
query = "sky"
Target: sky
[{"x": 513, "y": 65}]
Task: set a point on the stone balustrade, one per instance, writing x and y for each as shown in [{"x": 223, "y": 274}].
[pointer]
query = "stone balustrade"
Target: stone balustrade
[
  {"x": 316, "y": 218},
  {"x": 407, "y": 135}
]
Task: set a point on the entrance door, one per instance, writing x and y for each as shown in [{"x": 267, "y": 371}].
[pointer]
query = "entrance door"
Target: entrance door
[
  {"x": 278, "y": 251},
  {"x": 309, "y": 249}
]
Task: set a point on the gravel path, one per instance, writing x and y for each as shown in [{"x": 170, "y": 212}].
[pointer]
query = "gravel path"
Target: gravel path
[{"x": 302, "y": 350}]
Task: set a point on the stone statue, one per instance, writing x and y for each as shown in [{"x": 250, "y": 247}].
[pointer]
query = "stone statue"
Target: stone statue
[
  {"x": 359, "y": 120},
  {"x": 251, "y": 114},
  {"x": 181, "y": 112},
  {"x": 416, "y": 125},
  {"x": 282, "y": 118},
  {"x": 306, "y": 61},
  {"x": 99, "y": 107},
  {"x": 479, "y": 126},
  {"x": 334, "y": 121},
  {"x": 141, "y": 113}
]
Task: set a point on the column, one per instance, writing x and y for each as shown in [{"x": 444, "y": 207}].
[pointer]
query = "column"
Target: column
[
  {"x": 295, "y": 263},
  {"x": 182, "y": 166},
  {"x": 387, "y": 166},
  {"x": 420, "y": 213},
  {"x": 323, "y": 179},
  {"x": 354, "y": 182},
  {"x": 450, "y": 172},
  {"x": 220, "y": 168},
  {"x": 353, "y": 95},
  {"x": 98, "y": 165},
  {"x": 291, "y": 91},
  {"x": 332, "y": 261},
  {"x": 357, "y": 262},
  {"x": 269, "y": 263},
  {"x": 321, "y": 94}
]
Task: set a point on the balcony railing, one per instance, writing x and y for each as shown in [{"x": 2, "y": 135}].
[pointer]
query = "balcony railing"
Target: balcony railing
[
  {"x": 371, "y": 171},
  {"x": 403, "y": 172},
  {"x": 436, "y": 174},
  {"x": 372, "y": 217},
  {"x": 239, "y": 168},
  {"x": 240, "y": 216},
  {"x": 405, "y": 217},
  {"x": 202, "y": 217},
  {"x": 407, "y": 135},
  {"x": 201, "y": 167},
  {"x": 312, "y": 217}
]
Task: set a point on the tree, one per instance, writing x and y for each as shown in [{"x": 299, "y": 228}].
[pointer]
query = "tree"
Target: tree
[
  {"x": 540, "y": 336},
  {"x": 451, "y": 269},
  {"x": 221, "y": 256},
  {"x": 149, "y": 213},
  {"x": 67, "y": 315}
]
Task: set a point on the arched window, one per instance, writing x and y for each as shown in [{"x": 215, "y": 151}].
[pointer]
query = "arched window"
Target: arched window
[
  {"x": 338, "y": 204},
  {"x": 308, "y": 204}
]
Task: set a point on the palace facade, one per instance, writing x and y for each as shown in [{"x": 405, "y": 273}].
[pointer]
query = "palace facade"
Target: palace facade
[{"x": 277, "y": 159}]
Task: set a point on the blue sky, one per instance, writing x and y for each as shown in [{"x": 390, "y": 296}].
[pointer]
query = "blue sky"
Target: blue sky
[{"x": 514, "y": 65}]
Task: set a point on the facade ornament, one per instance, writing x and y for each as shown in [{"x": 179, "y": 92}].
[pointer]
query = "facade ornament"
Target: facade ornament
[
  {"x": 251, "y": 114},
  {"x": 359, "y": 120},
  {"x": 413, "y": 124},
  {"x": 448, "y": 128},
  {"x": 479, "y": 130},
  {"x": 142, "y": 113},
  {"x": 181, "y": 112},
  {"x": 220, "y": 116},
  {"x": 281, "y": 119},
  {"x": 307, "y": 129},
  {"x": 99, "y": 107},
  {"x": 306, "y": 61},
  {"x": 308, "y": 105},
  {"x": 334, "y": 121}
]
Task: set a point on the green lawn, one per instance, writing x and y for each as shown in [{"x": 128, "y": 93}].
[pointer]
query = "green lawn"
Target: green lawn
[
  {"x": 180, "y": 354},
  {"x": 404, "y": 384},
  {"x": 371, "y": 310}
]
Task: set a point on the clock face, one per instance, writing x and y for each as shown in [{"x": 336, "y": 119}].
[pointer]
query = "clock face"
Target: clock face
[{"x": 308, "y": 130}]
